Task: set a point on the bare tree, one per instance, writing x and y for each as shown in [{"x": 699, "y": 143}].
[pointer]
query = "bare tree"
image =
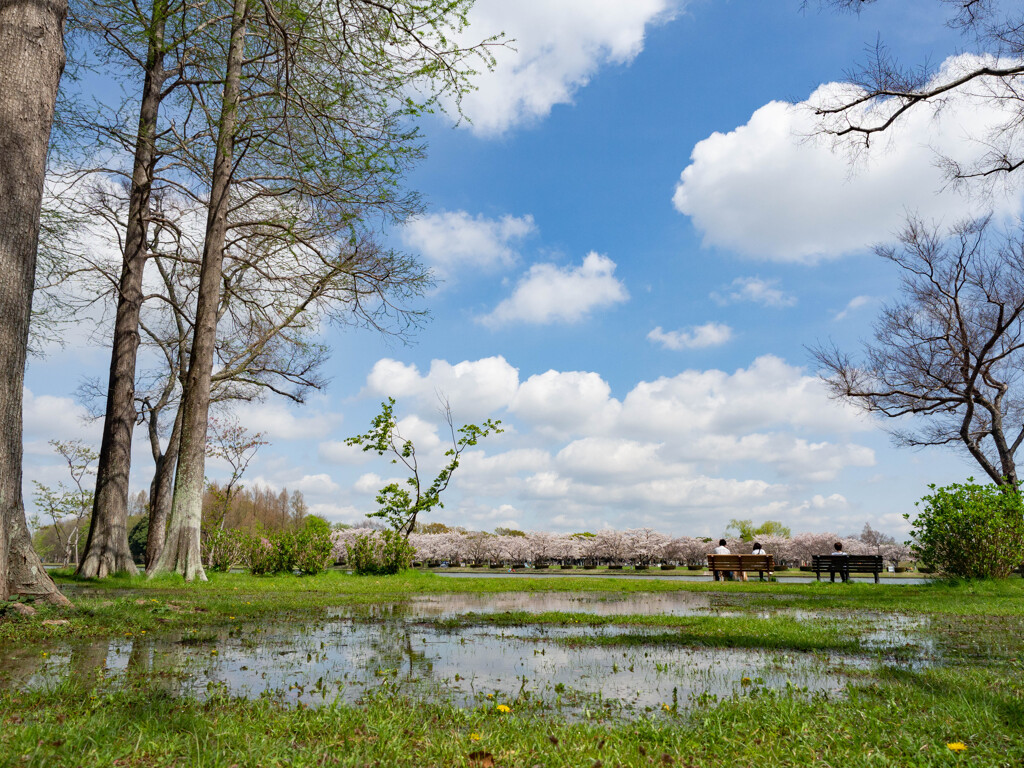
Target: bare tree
[
  {"x": 31, "y": 63},
  {"x": 883, "y": 91},
  {"x": 949, "y": 352}
]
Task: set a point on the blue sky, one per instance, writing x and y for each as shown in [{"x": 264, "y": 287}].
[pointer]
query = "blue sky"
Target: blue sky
[{"x": 634, "y": 247}]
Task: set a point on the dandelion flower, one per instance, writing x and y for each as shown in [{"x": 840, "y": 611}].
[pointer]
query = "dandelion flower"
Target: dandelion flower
[
  {"x": 490, "y": 695},
  {"x": 475, "y": 737},
  {"x": 502, "y": 708},
  {"x": 957, "y": 746},
  {"x": 745, "y": 681}
]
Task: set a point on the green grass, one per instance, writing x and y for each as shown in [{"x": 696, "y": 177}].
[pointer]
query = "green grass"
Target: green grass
[
  {"x": 127, "y": 605},
  {"x": 895, "y": 715},
  {"x": 903, "y": 719}
]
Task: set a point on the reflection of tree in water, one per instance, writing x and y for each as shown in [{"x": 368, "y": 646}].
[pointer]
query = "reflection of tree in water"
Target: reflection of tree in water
[
  {"x": 88, "y": 661},
  {"x": 392, "y": 647},
  {"x": 19, "y": 665},
  {"x": 159, "y": 662}
]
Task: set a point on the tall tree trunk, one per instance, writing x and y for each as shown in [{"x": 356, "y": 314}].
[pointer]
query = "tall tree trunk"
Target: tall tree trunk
[
  {"x": 181, "y": 551},
  {"x": 106, "y": 549},
  {"x": 31, "y": 63},
  {"x": 161, "y": 494}
]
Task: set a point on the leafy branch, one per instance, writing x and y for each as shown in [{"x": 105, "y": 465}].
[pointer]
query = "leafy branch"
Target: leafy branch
[{"x": 401, "y": 506}]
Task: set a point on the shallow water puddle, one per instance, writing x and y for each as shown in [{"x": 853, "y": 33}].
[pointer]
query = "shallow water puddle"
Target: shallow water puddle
[
  {"x": 450, "y": 605},
  {"x": 319, "y": 662}
]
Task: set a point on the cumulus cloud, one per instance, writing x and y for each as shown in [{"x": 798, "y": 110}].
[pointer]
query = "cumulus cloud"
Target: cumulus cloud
[
  {"x": 566, "y": 402},
  {"x": 669, "y": 451},
  {"x": 549, "y": 294},
  {"x": 451, "y": 241},
  {"x": 316, "y": 484},
  {"x": 557, "y": 47},
  {"x": 755, "y": 290},
  {"x": 765, "y": 191},
  {"x": 46, "y": 417},
  {"x": 694, "y": 337},
  {"x": 474, "y": 388}
]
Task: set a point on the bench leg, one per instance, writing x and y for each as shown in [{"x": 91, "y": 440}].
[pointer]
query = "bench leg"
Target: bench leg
[
  {"x": 876, "y": 577},
  {"x": 832, "y": 575},
  {"x": 818, "y": 574}
]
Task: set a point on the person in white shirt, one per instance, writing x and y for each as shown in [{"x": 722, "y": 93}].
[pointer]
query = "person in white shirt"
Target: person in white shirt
[
  {"x": 758, "y": 549},
  {"x": 721, "y": 549}
]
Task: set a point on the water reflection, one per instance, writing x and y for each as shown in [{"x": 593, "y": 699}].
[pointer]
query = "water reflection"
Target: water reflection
[{"x": 341, "y": 659}]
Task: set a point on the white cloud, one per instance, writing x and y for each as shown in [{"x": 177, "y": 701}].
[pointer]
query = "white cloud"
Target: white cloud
[
  {"x": 46, "y": 417},
  {"x": 551, "y": 294},
  {"x": 451, "y": 241},
  {"x": 694, "y": 337},
  {"x": 764, "y": 190},
  {"x": 767, "y": 394},
  {"x": 475, "y": 388},
  {"x": 668, "y": 453},
  {"x": 279, "y": 421},
  {"x": 755, "y": 290},
  {"x": 337, "y": 452},
  {"x": 566, "y": 402},
  {"x": 855, "y": 303},
  {"x": 369, "y": 482},
  {"x": 558, "y": 47},
  {"x": 316, "y": 484}
]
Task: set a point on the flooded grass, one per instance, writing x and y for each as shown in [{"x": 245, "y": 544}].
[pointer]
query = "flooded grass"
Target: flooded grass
[{"x": 422, "y": 670}]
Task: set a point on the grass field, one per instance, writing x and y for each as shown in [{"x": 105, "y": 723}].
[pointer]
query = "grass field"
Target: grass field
[{"x": 965, "y": 705}]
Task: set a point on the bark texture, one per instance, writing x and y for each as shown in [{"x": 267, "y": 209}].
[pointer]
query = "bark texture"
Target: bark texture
[
  {"x": 181, "y": 551},
  {"x": 31, "y": 63},
  {"x": 106, "y": 550},
  {"x": 161, "y": 494}
]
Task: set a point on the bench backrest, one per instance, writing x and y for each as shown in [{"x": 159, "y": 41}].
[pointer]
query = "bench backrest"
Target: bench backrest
[
  {"x": 741, "y": 562},
  {"x": 850, "y": 562}
]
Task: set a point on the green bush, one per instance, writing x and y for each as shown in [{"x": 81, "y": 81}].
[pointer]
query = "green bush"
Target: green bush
[
  {"x": 259, "y": 553},
  {"x": 313, "y": 546},
  {"x": 384, "y": 552},
  {"x": 969, "y": 530},
  {"x": 137, "y": 538},
  {"x": 309, "y": 550},
  {"x": 223, "y": 549}
]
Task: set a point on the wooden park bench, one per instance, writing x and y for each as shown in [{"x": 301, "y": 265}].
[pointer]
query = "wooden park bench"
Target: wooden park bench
[
  {"x": 721, "y": 564},
  {"x": 844, "y": 565}
]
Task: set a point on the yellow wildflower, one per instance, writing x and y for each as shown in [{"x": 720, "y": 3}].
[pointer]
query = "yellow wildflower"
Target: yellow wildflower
[
  {"x": 475, "y": 737},
  {"x": 957, "y": 746},
  {"x": 490, "y": 695},
  {"x": 745, "y": 681},
  {"x": 503, "y": 708}
]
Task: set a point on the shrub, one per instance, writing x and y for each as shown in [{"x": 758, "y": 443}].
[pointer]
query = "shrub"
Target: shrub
[
  {"x": 313, "y": 546},
  {"x": 137, "y": 538},
  {"x": 971, "y": 531},
  {"x": 259, "y": 554},
  {"x": 382, "y": 552},
  {"x": 222, "y": 549}
]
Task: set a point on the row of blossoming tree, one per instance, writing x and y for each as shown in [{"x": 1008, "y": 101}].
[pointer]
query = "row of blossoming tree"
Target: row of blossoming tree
[{"x": 637, "y": 546}]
